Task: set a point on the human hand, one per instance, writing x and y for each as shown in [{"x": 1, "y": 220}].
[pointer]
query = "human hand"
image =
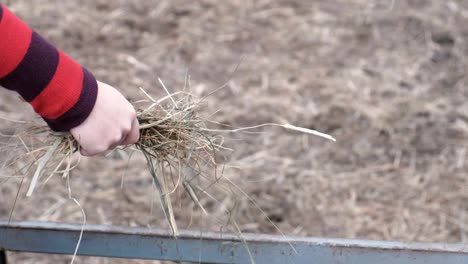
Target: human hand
[{"x": 112, "y": 122}]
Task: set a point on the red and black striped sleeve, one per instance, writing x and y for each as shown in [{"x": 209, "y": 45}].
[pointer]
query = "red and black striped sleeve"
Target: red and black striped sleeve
[{"x": 60, "y": 90}]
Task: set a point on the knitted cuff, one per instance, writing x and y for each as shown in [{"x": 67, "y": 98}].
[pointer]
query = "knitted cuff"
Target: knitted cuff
[{"x": 81, "y": 110}]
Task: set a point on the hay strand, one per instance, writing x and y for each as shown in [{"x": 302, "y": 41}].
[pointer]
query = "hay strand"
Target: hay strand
[{"x": 42, "y": 163}]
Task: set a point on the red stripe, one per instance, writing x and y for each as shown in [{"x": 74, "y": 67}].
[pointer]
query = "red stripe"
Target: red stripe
[
  {"x": 63, "y": 91},
  {"x": 15, "y": 37}
]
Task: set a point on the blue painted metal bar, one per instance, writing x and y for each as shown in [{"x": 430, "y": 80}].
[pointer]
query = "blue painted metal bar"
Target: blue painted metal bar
[{"x": 143, "y": 243}]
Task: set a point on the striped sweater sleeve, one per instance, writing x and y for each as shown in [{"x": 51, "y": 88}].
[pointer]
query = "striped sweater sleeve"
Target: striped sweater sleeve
[{"x": 60, "y": 90}]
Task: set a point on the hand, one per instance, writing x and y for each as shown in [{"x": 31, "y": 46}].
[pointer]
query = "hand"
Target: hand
[{"x": 112, "y": 122}]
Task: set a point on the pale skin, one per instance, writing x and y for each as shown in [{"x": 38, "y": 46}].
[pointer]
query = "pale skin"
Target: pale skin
[{"x": 111, "y": 123}]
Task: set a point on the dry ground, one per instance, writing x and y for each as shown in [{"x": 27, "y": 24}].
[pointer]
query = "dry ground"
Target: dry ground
[{"x": 388, "y": 80}]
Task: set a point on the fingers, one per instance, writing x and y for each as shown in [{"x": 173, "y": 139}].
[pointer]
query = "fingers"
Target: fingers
[
  {"x": 89, "y": 151},
  {"x": 133, "y": 135},
  {"x": 127, "y": 139},
  {"x": 83, "y": 151}
]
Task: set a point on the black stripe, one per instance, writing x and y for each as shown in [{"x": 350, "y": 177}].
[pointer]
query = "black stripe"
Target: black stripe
[
  {"x": 81, "y": 110},
  {"x": 1, "y": 12},
  {"x": 35, "y": 71}
]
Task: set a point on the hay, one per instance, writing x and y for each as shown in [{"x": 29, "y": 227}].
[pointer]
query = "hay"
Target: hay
[{"x": 179, "y": 148}]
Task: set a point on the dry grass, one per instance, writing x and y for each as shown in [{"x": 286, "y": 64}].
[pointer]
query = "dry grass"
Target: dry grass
[
  {"x": 174, "y": 140},
  {"x": 180, "y": 149}
]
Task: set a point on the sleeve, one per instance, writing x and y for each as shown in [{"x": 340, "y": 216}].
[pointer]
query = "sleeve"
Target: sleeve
[{"x": 60, "y": 90}]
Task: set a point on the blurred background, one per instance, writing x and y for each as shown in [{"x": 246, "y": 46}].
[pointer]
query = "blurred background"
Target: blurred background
[{"x": 388, "y": 79}]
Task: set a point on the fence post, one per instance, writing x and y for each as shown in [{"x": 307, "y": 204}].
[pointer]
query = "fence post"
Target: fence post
[{"x": 3, "y": 258}]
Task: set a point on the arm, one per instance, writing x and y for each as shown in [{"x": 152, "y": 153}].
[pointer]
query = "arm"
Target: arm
[{"x": 62, "y": 92}]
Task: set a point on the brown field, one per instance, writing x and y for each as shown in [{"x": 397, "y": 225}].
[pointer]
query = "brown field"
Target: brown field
[{"x": 389, "y": 81}]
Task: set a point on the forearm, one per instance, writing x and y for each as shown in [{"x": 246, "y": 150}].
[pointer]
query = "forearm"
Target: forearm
[{"x": 58, "y": 88}]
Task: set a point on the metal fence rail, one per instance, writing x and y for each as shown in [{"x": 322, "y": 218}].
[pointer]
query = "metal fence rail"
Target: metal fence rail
[{"x": 142, "y": 243}]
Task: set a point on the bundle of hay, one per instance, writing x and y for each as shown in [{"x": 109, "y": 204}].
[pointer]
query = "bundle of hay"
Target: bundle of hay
[{"x": 179, "y": 148}]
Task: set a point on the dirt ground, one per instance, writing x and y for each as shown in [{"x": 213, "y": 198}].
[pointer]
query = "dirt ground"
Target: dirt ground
[{"x": 388, "y": 79}]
